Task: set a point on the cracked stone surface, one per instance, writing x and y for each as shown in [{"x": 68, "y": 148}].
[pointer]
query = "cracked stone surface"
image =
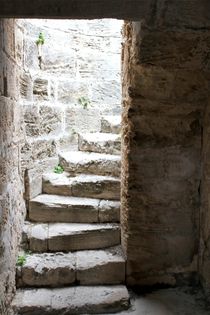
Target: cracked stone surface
[
  {"x": 89, "y": 186},
  {"x": 111, "y": 124},
  {"x": 86, "y": 267},
  {"x": 51, "y": 208},
  {"x": 72, "y": 236},
  {"x": 100, "y": 142},
  {"x": 72, "y": 300},
  {"x": 76, "y": 162}
]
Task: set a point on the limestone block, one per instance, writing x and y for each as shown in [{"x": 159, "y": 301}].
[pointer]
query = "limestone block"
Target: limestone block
[
  {"x": 51, "y": 208},
  {"x": 70, "y": 237},
  {"x": 78, "y": 119},
  {"x": 101, "y": 267},
  {"x": 33, "y": 177},
  {"x": 100, "y": 143},
  {"x": 32, "y": 120},
  {"x": 50, "y": 120},
  {"x": 92, "y": 186},
  {"x": 72, "y": 300},
  {"x": 38, "y": 238},
  {"x": 70, "y": 91},
  {"x": 88, "y": 186},
  {"x": 90, "y": 163},
  {"x": 101, "y": 92},
  {"x": 111, "y": 124},
  {"x": 109, "y": 211},
  {"x": 49, "y": 270},
  {"x": 40, "y": 89},
  {"x": 26, "y": 90}
]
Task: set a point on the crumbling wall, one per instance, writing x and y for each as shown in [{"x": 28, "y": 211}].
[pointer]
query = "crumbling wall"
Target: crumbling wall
[
  {"x": 165, "y": 92},
  {"x": 80, "y": 59},
  {"x": 11, "y": 192}
]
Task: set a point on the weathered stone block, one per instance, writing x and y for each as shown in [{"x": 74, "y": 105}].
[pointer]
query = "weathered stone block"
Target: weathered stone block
[
  {"x": 40, "y": 89},
  {"x": 50, "y": 120},
  {"x": 78, "y": 119}
]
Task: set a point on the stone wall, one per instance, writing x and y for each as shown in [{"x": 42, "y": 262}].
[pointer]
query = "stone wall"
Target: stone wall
[
  {"x": 11, "y": 192},
  {"x": 165, "y": 93},
  {"x": 79, "y": 59}
]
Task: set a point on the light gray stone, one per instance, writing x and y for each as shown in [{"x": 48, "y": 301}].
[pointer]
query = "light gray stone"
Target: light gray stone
[
  {"x": 100, "y": 142},
  {"x": 40, "y": 89},
  {"x": 88, "y": 186},
  {"x": 86, "y": 267},
  {"x": 101, "y": 266},
  {"x": 72, "y": 300},
  {"x": 53, "y": 208},
  {"x": 79, "y": 119},
  {"x": 67, "y": 237},
  {"x": 111, "y": 124},
  {"x": 38, "y": 237},
  {"x": 109, "y": 211},
  {"x": 90, "y": 163},
  {"x": 48, "y": 269}
]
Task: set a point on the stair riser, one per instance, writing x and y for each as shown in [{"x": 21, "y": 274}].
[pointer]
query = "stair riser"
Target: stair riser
[
  {"x": 50, "y": 213},
  {"x": 110, "y": 273},
  {"x": 103, "y": 167},
  {"x": 109, "y": 190},
  {"x": 42, "y": 213},
  {"x": 71, "y": 301},
  {"x": 66, "y": 243},
  {"x": 109, "y": 147}
]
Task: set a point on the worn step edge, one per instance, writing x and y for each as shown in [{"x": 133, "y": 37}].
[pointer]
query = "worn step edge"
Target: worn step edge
[
  {"x": 88, "y": 267},
  {"x": 100, "y": 143},
  {"x": 88, "y": 186},
  {"x": 71, "y": 300},
  {"x": 54, "y": 208},
  {"x": 77, "y": 162},
  {"x": 66, "y": 237}
]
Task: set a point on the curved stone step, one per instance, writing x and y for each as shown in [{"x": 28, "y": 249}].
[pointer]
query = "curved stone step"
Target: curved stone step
[
  {"x": 67, "y": 237},
  {"x": 88, "y": 267},
  {"x": 89, "y": 186},
  {"x": 111, "y": 124},
  {"x": 77, "y": 162},
  {"x": 71, "y": 300},
  {"x": 54, "y": 208},
  {"x": 100, "y": 142}
]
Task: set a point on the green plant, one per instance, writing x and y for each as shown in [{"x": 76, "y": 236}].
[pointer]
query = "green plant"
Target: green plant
[
  {"x": 41, "y": 39},
  {"x": 21, "y": 260},
  {"x": 58, "y": 169},
  {"x": 84, "y": 101}
]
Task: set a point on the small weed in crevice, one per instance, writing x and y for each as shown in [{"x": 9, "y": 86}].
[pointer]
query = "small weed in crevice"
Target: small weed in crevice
[
  {"x": 21, "y": 260},
  {"x": 84, "y": 102},
  {"x": 58, "y": 169}
]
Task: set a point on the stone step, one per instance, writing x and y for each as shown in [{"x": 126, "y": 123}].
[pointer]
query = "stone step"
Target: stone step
[
  {"x": 67, "y": 237},
  {"x": 111, "y": 124},
  {"x": 100, "y": 142},
  {"x": 71, "y": 300},
  {"x": 88, "y": 267},
  {"x": 77, "y": 162},
  {"x": 89, "y": 186},
  {"x": 54, "y": 208}
]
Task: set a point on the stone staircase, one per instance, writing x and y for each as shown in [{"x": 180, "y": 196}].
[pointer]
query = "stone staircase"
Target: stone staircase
[{"x": 77, "y": 265}]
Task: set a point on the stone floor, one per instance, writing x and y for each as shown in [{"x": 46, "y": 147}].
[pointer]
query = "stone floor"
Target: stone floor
[{"x": 178, "y": 301}]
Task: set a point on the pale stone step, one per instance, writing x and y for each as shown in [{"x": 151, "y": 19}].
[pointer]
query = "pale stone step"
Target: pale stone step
[
  {"x": 100, "y": 142},
  {"x": 76, "y": 162},
  {"x": 111, "y": 124},
  {"x": 71, "y": 236},
  {"x": 89, "y": 186},
  {"x": 71, "y": 300},
  {"x": 88, "y": 267},
  {"x": 56, "y": 208}
]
